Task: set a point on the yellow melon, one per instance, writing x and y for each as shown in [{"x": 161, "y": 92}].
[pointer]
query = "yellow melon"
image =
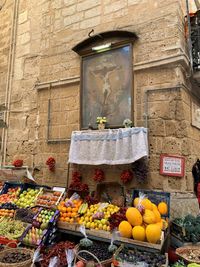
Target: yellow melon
[
  {"x": 162, "y": 208},
  {"x": 149, "y": 217},
  {"x": 153, "y": 233},
  {"x": 157, "y": 215},
  {"x": 125, "y": 229},
  {"x": 139, "y": 233},
  {"x": 133, "y": 216},
  {"x": 154, "y": 206},
  {"x": 146, "y": 203}
]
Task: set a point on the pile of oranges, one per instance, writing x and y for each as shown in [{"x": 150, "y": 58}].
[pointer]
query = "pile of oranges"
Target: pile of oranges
[
  {"x": 7, "y": 213},
  {"x": 69, "y": 214}
]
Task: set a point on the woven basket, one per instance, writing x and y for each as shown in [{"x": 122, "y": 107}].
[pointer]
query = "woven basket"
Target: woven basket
[
  {"x": 26, "y": 263},
  {"x": 183, "y": 253},
  {"x": 101, "y": 263}
]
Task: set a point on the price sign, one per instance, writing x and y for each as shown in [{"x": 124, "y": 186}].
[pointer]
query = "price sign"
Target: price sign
[{"x": 172, "y": 165}]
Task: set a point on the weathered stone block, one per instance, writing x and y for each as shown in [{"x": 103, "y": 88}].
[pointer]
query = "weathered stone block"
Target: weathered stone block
[
  {"x": 157, "y": 127},
  {"x": 172, "y": 145}
]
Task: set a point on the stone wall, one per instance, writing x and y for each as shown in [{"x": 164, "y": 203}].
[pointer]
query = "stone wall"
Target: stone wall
[{"x": 46, "y": 32}]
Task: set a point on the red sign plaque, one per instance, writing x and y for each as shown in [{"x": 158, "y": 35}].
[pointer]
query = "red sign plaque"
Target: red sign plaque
[{"x": 172, "y": 165}]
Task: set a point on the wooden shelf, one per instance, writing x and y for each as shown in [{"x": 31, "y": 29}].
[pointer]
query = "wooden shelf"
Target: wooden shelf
[{"x": 106, "y": 237}]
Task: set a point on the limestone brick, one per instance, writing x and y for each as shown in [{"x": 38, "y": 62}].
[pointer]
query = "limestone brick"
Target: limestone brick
[
  {"x": 23, "y": 17},
  {"x": 91, "y": 22},
  {"x": 157, "y": 127},
  {"x": 172, "y": 145},
  {"x": 87, "y": 4}
]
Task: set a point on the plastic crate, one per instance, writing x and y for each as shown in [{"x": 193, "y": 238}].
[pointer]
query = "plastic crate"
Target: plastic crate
[
  {"x": 8, "y": 185},
  {"x": 155, "y": 196}
]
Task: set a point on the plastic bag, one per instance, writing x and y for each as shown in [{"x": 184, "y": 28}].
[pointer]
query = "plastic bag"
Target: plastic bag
[
  {"x": 54, "y": 262},
  {"x": 70, "y": 257},
  {"x": 139, "y": 205},
  {"x": 112, "y": 247},
  {"x": 85, "y": 242},
  {"x": 100, "y": 214},
  {"x": 36, "y": 256},
  {"x": 69, "y": 202}
]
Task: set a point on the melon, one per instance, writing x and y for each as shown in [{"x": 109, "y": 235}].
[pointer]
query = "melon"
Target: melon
[
  {"x": 153, "y": 233},
  {"x": 149, "y": 217},
  {"x": 162, "y": 208},
  {"x": 146, "y": 203},
  {"x": 125, "y": 229},
  {"x": 133, "y": 216},
  {"x": 139, "y": 233},
  {"x": 157, "y": 215}
]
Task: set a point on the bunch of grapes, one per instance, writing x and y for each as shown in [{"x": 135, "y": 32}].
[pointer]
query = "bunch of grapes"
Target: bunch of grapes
[
  {"x": 18, "y": 163},
  {"x": 99, "y": 175},
  {"x": 126, "y": 176},
  {"x": 51, "y": 162},
  {"x": 117, "y": 217}
]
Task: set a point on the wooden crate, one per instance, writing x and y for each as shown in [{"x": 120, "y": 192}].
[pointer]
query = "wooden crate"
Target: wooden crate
[
  {"x": 108, "y": 235},
  {"x": 68, "y": 226}
]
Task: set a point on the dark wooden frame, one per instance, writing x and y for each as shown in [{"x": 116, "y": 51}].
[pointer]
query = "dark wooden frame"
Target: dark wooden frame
[{"x": 89, "y": 52}]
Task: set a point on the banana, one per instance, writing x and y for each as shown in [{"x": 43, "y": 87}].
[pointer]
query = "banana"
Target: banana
[{"x": 83, "y": 208}]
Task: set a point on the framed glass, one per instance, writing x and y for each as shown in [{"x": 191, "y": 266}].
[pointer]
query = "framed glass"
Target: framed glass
[{"x": 106, "y": 87}]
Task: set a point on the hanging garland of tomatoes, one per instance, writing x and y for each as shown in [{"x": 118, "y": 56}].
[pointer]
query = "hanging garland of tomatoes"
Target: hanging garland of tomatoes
[
  {"x": 126, "y": 176},
  {"x": 99, "y": 175},
  {"x": 51, "y": 163}
]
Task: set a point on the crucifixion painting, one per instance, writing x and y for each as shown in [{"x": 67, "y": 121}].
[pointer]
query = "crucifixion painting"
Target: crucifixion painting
[{"x": 106, "y": 87}]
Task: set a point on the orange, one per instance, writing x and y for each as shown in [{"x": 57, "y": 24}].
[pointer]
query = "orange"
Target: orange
[
  {"x": 62, "y": 219},
  {"x": 65, "y": 215},
  {"x": 69, "y": 209},
  {"x": 67, "y": 219},
  {"x": 69, "y": 214},
  {"x": 73, "y": 214},
  {"x": 71, "y": 220}
]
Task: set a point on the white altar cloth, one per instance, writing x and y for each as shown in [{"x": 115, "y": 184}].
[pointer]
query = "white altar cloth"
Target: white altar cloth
[{"x": 110, "y": 146}]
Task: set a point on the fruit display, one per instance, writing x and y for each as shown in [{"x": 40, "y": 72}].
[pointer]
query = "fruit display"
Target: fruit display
[
  {"x": 27, "y": 198},
  {"x": 116, "y": 218},
  {"x": 15, "y": 257},
  {"x": 7, "y": 213},
  {"x": 143, "y": 221},
  {"x": 34, "y": 236},
  {"x": 44, "y": 217},
  {"x": 48, "y": 198},
  {"x": 98, "y": 249},
  {"x": 136, "y": 257},
  {"x": 97, "y": 216},
  {"x": 12, "y": 229},
  {"x": 11, "y": 195},
  {"x": 69, "y": 210},
  {"x": 26, "y": 215},
  {"x": 58, "y": 250},
  {"x": 8, "y": 206}
]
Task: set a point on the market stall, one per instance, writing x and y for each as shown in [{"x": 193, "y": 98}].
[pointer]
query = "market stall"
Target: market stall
[{"x": 72, "y": 227}]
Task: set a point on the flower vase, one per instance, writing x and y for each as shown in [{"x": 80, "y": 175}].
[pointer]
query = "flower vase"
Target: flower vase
[{"x": 101, "y": 126}]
